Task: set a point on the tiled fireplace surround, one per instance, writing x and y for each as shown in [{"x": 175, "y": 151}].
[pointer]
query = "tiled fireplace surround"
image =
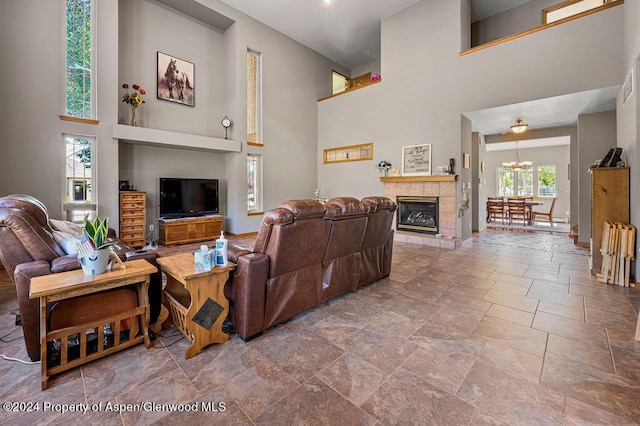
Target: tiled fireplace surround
[{"x": 443, "y": 187}]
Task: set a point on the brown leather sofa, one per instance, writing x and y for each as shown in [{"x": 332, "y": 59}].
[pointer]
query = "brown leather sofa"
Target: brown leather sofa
[
  {"x": 28, "y": 249},
  {"x": 305, "y": 254}
]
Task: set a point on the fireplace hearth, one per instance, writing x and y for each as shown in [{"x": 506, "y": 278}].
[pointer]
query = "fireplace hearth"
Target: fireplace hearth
[{"x": 417, "y": 214}]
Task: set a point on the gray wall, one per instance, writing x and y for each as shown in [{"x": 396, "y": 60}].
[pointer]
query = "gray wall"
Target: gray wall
[
  {"x": 628, "y": 117},
  {"x": 479, "y": 187},
  {"x": 596, "y": 135},
  {"x": 294, "y": 77},
  {"x": 421, "y": 97},
  {"x": 32, "y": 147}
]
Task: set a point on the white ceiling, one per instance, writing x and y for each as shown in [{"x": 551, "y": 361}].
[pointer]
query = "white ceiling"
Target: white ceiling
[{"x": 345, "y": 31}]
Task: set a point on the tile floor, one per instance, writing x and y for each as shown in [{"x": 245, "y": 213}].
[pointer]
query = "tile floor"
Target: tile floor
[{"x": 510, "y": 329}]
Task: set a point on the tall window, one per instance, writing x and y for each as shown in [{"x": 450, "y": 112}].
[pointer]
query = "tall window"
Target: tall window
[
  {"x": 254, "y": 97},
  {"x": 547, "y": 181},
  {"x": 79, "y": 175},
  {"x": 79, "y": 59},
  {"x": 505, "y": 183},
  {"x": 254, "y": 183},
  {"x": 525, "y": 183}
]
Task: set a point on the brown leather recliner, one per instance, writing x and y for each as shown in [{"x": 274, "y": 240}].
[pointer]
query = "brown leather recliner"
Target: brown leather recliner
[
  {"x": 377, "y": 245},
  {"x": 341, "y": 263},
  {"x": 305, "y": 254},
  {"x": 28, "y": 249}
]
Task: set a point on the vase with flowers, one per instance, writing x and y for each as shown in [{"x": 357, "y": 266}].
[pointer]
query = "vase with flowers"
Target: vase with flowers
[{"x": 134, "y": 99}]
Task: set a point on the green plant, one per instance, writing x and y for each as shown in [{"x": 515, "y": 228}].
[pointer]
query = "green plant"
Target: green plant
[{"x": 97, "y": 231}]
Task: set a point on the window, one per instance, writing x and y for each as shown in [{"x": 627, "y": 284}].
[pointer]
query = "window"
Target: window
[
  {"x": 547, "y": 181},
  {"x": 505, "y": 183},
  {"x": 340, "y": 82},
  {"x": 79, "y": 176},
  {"x": 512, "y": 182},
  {"x": 254, "y": 183},
  {"x": 254, "y": 97},
  {"x": 569, "y": 8},
  {"x": 79, "y": 92},
  {"x": 525, "y": 183}
]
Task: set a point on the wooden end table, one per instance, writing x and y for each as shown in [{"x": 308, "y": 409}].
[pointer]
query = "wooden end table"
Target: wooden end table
[
  {"x": 72, "y": 284},
  {"x": 196, "y": 300}
]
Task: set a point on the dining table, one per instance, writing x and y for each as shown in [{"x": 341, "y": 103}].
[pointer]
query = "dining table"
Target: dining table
[{"x": 528, "y": 203}]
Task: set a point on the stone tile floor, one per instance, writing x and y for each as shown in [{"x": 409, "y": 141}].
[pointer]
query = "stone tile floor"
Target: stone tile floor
[{"x": 509, "y": 329}]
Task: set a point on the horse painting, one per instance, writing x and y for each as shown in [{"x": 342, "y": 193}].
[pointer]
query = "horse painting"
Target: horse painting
[
  {"x": 176, "y": 79},
  {"x": 175, "y": 85}
]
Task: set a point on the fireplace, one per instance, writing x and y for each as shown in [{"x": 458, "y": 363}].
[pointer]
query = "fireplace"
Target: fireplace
[{"x": 417, "y": 214}]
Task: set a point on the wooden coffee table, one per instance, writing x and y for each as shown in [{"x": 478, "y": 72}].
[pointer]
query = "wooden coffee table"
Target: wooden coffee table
[
  {"x": 196, "y": 300},
  {"x": 70, "y": 286}
]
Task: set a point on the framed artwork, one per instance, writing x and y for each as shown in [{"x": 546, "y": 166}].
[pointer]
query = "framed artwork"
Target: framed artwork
[
  {"x": 416, "y": 160},
  {"x": 466, "y": 163},
  {"x": 176, "y": 80}
]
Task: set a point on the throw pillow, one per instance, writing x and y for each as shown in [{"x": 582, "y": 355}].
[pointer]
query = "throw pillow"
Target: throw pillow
[
  {"x": 67, "y": 227},
  {"x": 67, "y": 241}
]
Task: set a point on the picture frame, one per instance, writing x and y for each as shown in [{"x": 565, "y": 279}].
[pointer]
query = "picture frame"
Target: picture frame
[
  {"x": 176, "y": 80},
  {"x": 416, "y": 160}
]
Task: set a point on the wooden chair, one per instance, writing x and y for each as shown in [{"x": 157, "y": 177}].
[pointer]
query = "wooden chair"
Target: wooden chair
[
  {"x": 548, "y": 215},
  {"x": 516, "y": 208},
  {"x": 495, "y": 209}
]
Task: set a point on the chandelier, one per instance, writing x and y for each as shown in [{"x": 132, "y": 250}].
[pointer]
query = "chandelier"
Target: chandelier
[
  {"x": 519, "y": 127},
  {"x": 516, "y": 164}
]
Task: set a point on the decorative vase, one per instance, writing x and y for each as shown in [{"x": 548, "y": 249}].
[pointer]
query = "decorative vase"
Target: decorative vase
[
  {"x": 132, "y": 121},
  {"x": 96, "y": 262}
]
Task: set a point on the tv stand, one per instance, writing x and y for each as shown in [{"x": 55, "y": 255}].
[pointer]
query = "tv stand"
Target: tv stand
[{"x": 189, "y": 229}]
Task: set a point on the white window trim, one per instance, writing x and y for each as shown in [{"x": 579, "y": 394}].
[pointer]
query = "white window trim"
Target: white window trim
[
  {"x": 94, "y": 91},
  {"x": 259, "y": 138},
  {"x": 94, "y": 171}
]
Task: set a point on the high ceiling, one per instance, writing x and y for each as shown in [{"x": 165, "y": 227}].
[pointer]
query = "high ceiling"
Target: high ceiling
[
  {"x": 345, "y": 31},
  {"x": 348, "y": 32}
]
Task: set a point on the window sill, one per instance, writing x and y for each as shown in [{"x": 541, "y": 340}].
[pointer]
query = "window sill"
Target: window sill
[
  {"x": 79, "y": 120},
  {"x": 255, "y": 213},
  {"x": 255, "y": 144}
]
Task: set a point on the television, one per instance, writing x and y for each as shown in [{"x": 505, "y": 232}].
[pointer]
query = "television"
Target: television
[{"x": 188, "y": 197}]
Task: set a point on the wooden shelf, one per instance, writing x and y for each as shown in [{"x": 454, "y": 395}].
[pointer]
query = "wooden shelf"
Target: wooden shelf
[
  {"x": 146, "y": 136},
  {"x": 426, "y": 178}
]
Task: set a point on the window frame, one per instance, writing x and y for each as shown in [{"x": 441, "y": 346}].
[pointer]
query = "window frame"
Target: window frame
[
  {"x": 555, "y": 180},
  {"x": 76, "y": 209},
  {"x": 92, "y": 90},
  {"x": 257, "y": 112},
  {"x": 257, "y": 192}
]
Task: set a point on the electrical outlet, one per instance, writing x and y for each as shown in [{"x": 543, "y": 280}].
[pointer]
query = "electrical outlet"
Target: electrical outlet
[{"x": 150, "y": 228}]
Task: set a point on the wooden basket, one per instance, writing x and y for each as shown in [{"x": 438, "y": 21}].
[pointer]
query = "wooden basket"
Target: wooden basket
[{"x": 178, "y": 315}]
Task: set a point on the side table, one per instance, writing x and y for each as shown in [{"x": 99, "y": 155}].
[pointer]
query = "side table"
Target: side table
[
  {"x": 80, "y": 317},
  {"x": 196, "y": 300}
]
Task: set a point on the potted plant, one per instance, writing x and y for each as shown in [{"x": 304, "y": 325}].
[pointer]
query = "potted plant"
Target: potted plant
[{"x": 93, "y": 254}]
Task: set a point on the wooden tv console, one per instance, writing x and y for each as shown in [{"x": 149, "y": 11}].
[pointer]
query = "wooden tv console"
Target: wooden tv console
[{"x": 189, "y": 229}]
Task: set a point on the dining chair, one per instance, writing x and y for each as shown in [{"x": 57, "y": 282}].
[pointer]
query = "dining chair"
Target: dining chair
[
  {"x": 495, "y": 209},
  {"x": 516, "y": 208},
  {"x": 549, "y": 215}
]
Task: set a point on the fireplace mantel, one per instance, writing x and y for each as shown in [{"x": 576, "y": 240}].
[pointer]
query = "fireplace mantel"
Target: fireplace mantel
[{"x": 426, "y": 178}]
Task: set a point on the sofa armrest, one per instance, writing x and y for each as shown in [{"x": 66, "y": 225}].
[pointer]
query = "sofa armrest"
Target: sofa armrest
[
  {"x": 234, "y": 252},
  {"x": 30, "y": 308},
  {"x": 65, "y": 263},
  {"x": 246, "y": 291}
]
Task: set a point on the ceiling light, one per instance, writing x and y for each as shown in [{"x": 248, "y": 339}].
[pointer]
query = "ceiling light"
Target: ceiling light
[
  {"x": 519, "y": 127},
  {"x": 516, "y": 164}
]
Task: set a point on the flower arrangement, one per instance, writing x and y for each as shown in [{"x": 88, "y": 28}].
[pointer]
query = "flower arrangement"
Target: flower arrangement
[
  {"x": 133, "y": 99},
  {"x": 383, "y": 167}
]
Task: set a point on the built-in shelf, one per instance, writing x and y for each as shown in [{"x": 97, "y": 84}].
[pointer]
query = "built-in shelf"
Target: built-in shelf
[{"x": 164, "y": 138}]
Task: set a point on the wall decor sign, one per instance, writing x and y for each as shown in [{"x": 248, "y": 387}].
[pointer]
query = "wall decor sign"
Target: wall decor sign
[
  {"x": 416, "y": 160},
  {"x": 176, "y": 80}
]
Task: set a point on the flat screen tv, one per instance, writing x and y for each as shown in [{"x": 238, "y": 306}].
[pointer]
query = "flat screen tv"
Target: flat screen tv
[{"x": 188, "y": 197}]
